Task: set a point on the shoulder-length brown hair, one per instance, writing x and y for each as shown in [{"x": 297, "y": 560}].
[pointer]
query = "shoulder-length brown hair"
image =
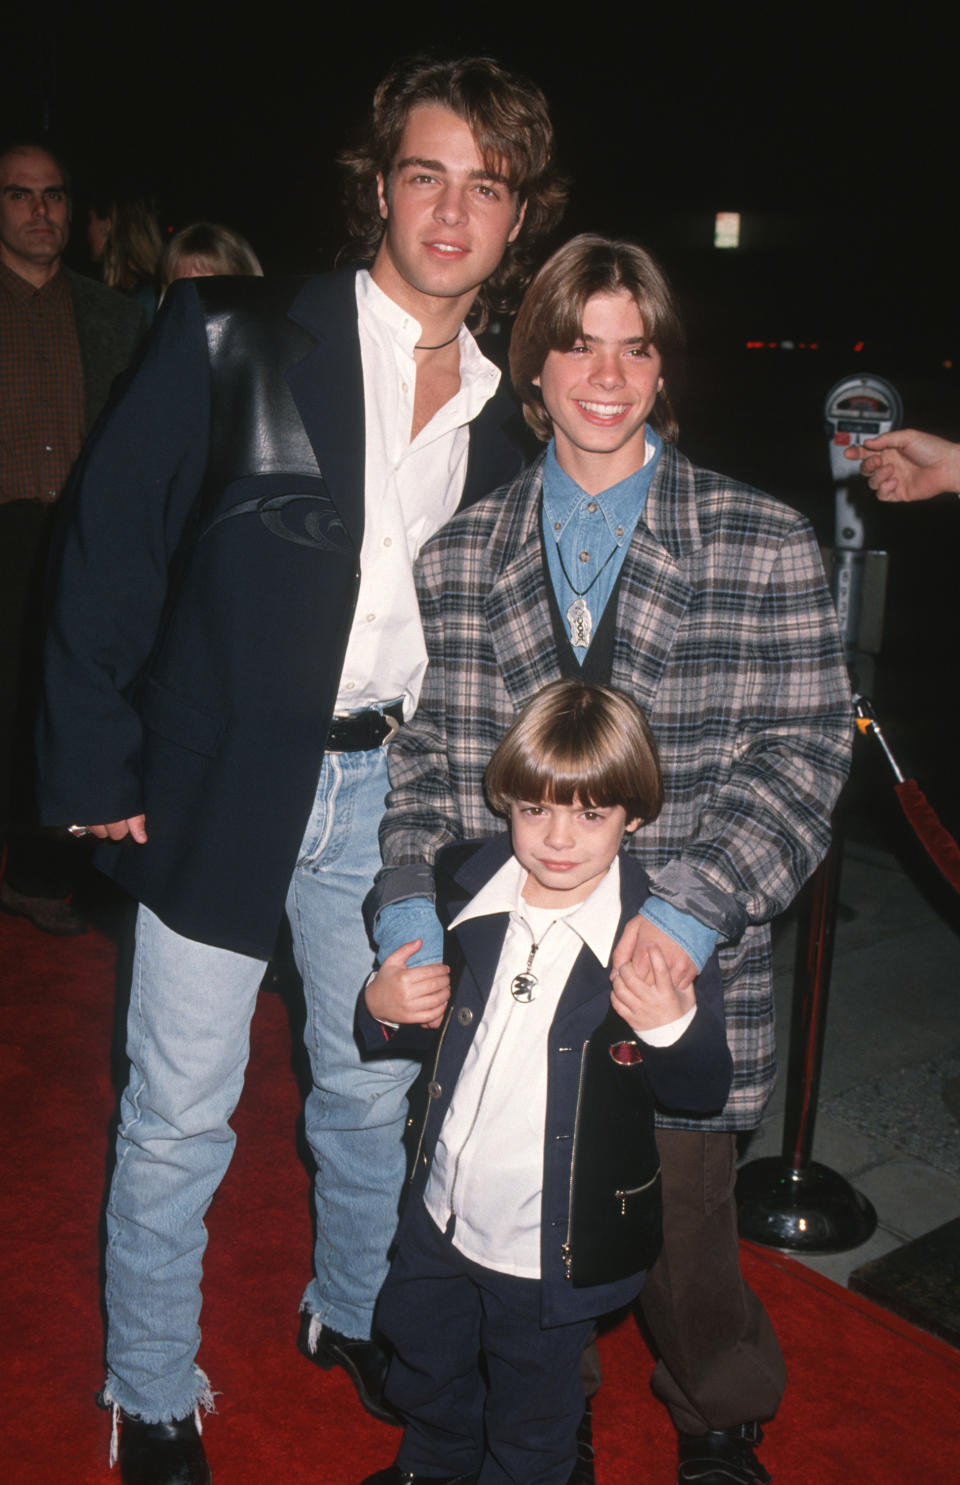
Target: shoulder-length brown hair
[
  {"x": 551, "y": 316},
  {"x": 510, "y": 122},
  {"x": 575, "y": 742}
]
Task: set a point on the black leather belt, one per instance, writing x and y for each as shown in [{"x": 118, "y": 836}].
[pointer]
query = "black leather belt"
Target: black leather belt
[{"x": 363, "y": 731}]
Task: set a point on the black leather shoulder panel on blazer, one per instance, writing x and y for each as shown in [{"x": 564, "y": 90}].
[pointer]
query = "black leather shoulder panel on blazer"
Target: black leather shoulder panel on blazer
[{"x": 255, "y": 428}]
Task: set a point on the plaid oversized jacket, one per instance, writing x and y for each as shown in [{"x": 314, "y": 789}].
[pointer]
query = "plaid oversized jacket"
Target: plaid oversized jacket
[{"x": 726, "y": 636}]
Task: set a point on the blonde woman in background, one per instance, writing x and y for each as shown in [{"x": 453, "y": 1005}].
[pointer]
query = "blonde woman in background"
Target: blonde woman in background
[{"x": 205, "y": 250}]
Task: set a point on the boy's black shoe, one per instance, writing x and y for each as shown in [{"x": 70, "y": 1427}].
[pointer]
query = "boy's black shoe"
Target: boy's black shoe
[
  {"x": 168, "y": 1453},
  {"x": 722, "y": 1457},
  {"x": 396, "y": 1476},
  {"x": 583, "y": 1469},
  {"x": 365, "y": 1363}
]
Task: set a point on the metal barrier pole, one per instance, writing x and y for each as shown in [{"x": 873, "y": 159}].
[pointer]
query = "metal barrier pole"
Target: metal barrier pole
[{"x": 791, "y": 1201}]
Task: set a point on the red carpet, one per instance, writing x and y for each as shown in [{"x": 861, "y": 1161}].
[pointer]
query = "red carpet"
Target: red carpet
[{"x": 870, "y": 1399}]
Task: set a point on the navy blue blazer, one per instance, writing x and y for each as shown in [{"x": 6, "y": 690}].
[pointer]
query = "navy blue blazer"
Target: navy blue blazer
[
  {"x": 202, "y": 588},
  {"x": 600, "y": 1223}
]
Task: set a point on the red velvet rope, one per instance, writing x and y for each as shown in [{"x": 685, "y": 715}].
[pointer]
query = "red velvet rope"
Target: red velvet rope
[{"x": 936, "y": 840}]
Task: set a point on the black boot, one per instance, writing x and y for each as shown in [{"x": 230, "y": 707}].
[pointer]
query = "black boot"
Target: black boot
[
  {"x": 365, "y": 1363},
  {"x": 722, "y": 1457},
  {"x": 169, "y": 1453},
  {"x": 583, "y": 1469},
  {"x": 396, "y": 1476}
]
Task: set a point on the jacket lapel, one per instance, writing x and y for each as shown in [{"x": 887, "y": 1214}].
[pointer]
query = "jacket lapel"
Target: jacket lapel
[
  {"x": 589, "y": 979},
  {"x": 327, "y": 386},
  {"x": 472, "y": 864},
  {"x": 516, "y": 608},
  {"x": 481, "y": 940},
  {"x": 654, "y": 589},
  {"x": 496, "y": 449},
  {"x": 588, "y": 982}
]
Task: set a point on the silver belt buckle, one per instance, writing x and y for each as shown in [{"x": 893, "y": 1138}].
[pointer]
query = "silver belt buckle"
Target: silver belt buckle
[{"x": 393, "y": 727}]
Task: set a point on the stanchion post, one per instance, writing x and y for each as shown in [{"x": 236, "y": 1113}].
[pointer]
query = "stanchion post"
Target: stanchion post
[{"x": 791, "y": 1201}]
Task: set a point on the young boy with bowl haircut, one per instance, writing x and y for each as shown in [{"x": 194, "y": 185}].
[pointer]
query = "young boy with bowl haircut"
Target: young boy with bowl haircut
[{"x": 534, "y": 1206}]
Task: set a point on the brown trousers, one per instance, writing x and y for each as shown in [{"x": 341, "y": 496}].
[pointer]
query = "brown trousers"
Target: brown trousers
[{"x": 720, "y": 1363}]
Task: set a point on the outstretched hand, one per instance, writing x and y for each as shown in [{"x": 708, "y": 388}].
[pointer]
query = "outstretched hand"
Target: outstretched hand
[
  {"x": 406, "y": 996},
  {"x": 907, "y": 465}
]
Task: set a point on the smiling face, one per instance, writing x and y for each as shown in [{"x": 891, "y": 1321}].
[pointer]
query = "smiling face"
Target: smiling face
[
  {"x": 449, "y": 219},
  {"x": 566, "y": 848},
  {"x": 600, "y": 392},
  {"x": 34, "y": 214}
]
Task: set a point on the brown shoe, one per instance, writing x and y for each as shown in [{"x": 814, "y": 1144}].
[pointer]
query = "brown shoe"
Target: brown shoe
[{"x": 49, "y": 914}]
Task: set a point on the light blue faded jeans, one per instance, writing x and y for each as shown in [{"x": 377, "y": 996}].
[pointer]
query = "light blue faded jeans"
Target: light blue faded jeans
[{"x": 188, "y": 1040}]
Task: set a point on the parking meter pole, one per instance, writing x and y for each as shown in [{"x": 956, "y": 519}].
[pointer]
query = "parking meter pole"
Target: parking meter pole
[{"x": 848, "y": 565}]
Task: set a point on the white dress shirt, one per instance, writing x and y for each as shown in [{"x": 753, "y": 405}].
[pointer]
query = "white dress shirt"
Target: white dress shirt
[
  {"x": 411, "y": 488},
  {"x": 488, "y": 1165}
]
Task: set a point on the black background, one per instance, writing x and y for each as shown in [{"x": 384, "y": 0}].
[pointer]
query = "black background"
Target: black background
[{"x": 835, "y": 136}]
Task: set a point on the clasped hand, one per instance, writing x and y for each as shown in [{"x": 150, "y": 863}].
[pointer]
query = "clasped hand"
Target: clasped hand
[
  {"x": 408, "y": 997},
  {"x": 652, "y": 977}
]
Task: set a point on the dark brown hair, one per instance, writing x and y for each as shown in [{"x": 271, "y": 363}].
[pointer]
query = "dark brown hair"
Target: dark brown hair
[
  {"x": 26, "y": 142},
  {"x": 551, "y": 316},
  {"x": 578, "y": 742},
  {"x": 510, "y": 122}
]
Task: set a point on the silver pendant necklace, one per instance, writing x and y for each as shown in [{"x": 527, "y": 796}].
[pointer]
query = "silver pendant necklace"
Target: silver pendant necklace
[
  {"x": 579, "y": 616},
  {"x": 523, "y": 985}
]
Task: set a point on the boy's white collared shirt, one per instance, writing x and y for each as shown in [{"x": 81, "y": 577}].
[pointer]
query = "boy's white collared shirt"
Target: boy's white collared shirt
[{"x": 488, "y": 1165}]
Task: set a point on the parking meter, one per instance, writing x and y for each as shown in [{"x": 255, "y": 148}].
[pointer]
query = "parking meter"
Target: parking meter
[{"x": 856, "y": 408}]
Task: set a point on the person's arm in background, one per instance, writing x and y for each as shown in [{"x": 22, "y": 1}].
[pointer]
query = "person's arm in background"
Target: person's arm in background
[{"x": 908, "y": 465}]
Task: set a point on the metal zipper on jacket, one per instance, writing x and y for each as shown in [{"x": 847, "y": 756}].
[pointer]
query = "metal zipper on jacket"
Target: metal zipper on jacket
[
  {"x": 566, "y": 1249},
  {"x": 635, "y": 1191},
  {"x": 433, "y": 1078}
]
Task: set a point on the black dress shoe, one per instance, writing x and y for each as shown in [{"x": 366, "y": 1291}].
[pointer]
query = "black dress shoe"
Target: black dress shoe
[
  {"x": 396, "y": 1476},
  {"x": 365, "y": 1363},
  {"x": 583, "y": 1469},
  {"x": 722, "y": 1457},
  {"x": 162, "y": 1453}
]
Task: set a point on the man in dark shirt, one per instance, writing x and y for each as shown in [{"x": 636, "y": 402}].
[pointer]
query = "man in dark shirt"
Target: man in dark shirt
[{"x": 62, "y": 340}]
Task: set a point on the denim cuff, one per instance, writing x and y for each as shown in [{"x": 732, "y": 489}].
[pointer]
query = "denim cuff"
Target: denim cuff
[
  {"x": 693, "y": 937},
  {"x": 401, "y": 922},
  {"x": 688, "y": 891}
]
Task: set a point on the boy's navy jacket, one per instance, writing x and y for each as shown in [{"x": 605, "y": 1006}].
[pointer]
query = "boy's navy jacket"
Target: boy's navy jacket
[{"x": 600, "y": 1221}]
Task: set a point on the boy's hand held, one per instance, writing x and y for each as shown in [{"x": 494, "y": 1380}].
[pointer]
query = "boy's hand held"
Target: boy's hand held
[
  {"x": 650, "y": 997},
  {"x": 408, "y": 996},
  {"x": 636, "y": 941}
]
